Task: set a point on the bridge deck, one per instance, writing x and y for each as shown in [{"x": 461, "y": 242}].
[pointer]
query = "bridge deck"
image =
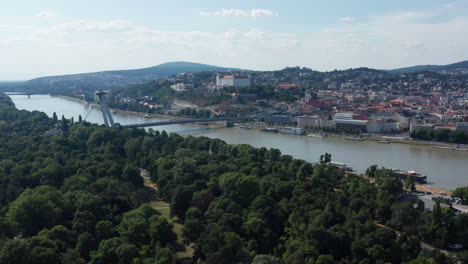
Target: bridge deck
[{"x": 172, "y": 122}]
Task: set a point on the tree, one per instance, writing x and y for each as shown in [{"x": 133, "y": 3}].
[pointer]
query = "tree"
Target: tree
[
  {"x": 325, "y": 159},
  {"x": 409, "y": 183},
  {"x": 54, "y": 118},
  {"x": 164, "y": 256},
  {"x": 85, "y": 244},
  {"x": 181, "y": 200},
  {"x": 64, "y": 124},
  {"x": 461, "y": 193},
  {"x": 371, "y": 171},
  {"x": 224, "y": 248},
  {"x": 72, "y": 256},
  {"x": 107, "y": 252},
  {"x": 15, "y": 251},
  {"x": 53, "y": 174},
  {"x": 84, "y": 222},
  {"x": 160, "y": 231},
  {"x": 194, "y": 225},
  {"x": 325, "y": 259},
  {"x": 304, "y": 171},
  {"x": 104, "y": 229},
  {"x": 37, "y": 208},
  {"x": 132, "y": 174},
  {"x": 265, "y": 259}
]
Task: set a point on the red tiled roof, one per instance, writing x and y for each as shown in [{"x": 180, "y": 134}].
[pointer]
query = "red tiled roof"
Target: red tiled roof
[{"x": 287, "y": 85}]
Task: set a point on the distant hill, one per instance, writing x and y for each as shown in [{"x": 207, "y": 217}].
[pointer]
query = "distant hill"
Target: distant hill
[
  {"x": 11, "y": 86},
  {"x": 454, "y": 67},
  {"x": 113, "y": 79}
]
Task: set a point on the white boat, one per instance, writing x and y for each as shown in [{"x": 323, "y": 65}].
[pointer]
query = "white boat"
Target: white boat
[
  {"x": 383, "y": 142},
  {"x": 317, "y": 135},
  {"x": 355, "y": 139},
  {"x": 341, "y": 166},
  {"x": 270, "y": 129},
  {"x": 292, "y": 131},
  {"x": 416, "y": 176}
]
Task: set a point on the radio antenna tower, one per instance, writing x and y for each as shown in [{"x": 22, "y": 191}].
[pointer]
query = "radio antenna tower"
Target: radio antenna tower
[{"x": 106, "y": 114}]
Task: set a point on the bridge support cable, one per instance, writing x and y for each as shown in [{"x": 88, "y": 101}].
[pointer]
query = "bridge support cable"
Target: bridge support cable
[{"x": 106, "y": 114}]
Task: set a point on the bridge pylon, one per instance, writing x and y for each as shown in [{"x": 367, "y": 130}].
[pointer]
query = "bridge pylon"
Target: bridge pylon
[{"x": 106, "y": 114}]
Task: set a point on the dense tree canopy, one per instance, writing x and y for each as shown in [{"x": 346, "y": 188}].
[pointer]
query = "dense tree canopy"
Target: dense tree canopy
[{"x": 78, "y": 197}]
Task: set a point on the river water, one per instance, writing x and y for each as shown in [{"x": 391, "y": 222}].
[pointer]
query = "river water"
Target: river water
[{"x": 444, "y": 168}]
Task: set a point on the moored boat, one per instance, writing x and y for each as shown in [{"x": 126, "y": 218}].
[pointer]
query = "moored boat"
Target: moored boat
[
  {"x": 340, "y": 166},
  {"x": 383, "y": 142},
  {"x": 450, "y": 148},
  {"x": 269, "y": 129},
  {"x": 292, "y": 131},
  {"x": 416, "y": 176},
  {"x": 355, "y": 139},
  {"x": 317, "y": 135}
]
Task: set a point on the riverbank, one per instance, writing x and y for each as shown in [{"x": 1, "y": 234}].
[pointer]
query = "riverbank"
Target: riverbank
[
  {"x": 259, "y": 126},
  {"x": 432, "y": 189},
  {"x": 377, "y": 138},
  {"x": 419, "y": 187}
]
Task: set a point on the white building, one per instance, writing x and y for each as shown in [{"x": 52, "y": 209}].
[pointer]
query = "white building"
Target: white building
[
  {"x": 235, "y": 80},
  {"x": 314, "y": 121},
  {"x": 180, "y": 87},
  {"x": 344, "y": 116}
]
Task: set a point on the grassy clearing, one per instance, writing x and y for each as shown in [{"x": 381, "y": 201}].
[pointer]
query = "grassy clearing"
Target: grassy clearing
[{"x": 183, "y": 252}]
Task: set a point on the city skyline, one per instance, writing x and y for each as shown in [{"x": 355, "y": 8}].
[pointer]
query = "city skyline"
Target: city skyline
[{"x": 54, "y": 38}]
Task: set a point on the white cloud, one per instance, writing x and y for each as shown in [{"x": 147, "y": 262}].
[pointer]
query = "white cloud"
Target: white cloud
[
  {"x": 347, "y": 19},
  {"x": 92, "y": 25},
  {"x": 261, "y": 12},
  {"x": 240, "y": 12},
  {"x": 45, "y": 14},
  {"x": 387, "y": 40}
]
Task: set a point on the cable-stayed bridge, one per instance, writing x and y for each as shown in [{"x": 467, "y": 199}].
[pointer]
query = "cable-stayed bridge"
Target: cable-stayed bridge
[
  {"x": 109, "y": 121},
  {"x": 188, "y": 121}
]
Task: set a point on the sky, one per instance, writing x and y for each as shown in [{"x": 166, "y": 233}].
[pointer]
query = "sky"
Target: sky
[{"x": 55, "y": 37}]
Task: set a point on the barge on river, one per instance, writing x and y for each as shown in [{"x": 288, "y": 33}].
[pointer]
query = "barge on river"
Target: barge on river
[
  {"x": 317, "y": 135},
  {"x": 355, "y": 139},
  {"x": 340, "y": 166},
  {"x": 419, "y": 178}
]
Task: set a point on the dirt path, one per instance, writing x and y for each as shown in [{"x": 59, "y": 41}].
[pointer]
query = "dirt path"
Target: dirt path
[{"x": 184, "y": 253}]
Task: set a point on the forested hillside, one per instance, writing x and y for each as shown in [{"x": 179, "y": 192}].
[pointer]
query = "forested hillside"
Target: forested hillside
[
  {"x": 78, "y": 197},
  {"x": 88, "y": 82}
]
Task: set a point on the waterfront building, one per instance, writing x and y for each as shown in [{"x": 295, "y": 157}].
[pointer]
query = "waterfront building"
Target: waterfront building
[
  {"x": 462, "y": 127},
  {"x": 382, "y": 126},
  {"x": 279, "y": 119},
  {"x": 314, "y": 121},
  {"x": 415, "y": 126},
  {"x": 353, "y": 124}
]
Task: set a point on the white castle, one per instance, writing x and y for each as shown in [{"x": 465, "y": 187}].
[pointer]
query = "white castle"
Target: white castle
[{"x": 236, "y": 80}]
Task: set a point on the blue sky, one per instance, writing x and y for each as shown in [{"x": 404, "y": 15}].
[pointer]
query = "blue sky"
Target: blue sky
[{"x": 40, "y": 38}]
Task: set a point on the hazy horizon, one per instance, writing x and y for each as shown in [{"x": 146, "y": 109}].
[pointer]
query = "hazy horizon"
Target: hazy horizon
[{"x": 57, "y": 37}]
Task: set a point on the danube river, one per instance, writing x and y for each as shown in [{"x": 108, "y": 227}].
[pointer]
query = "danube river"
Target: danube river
[{"x": 444, "y": 168}]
